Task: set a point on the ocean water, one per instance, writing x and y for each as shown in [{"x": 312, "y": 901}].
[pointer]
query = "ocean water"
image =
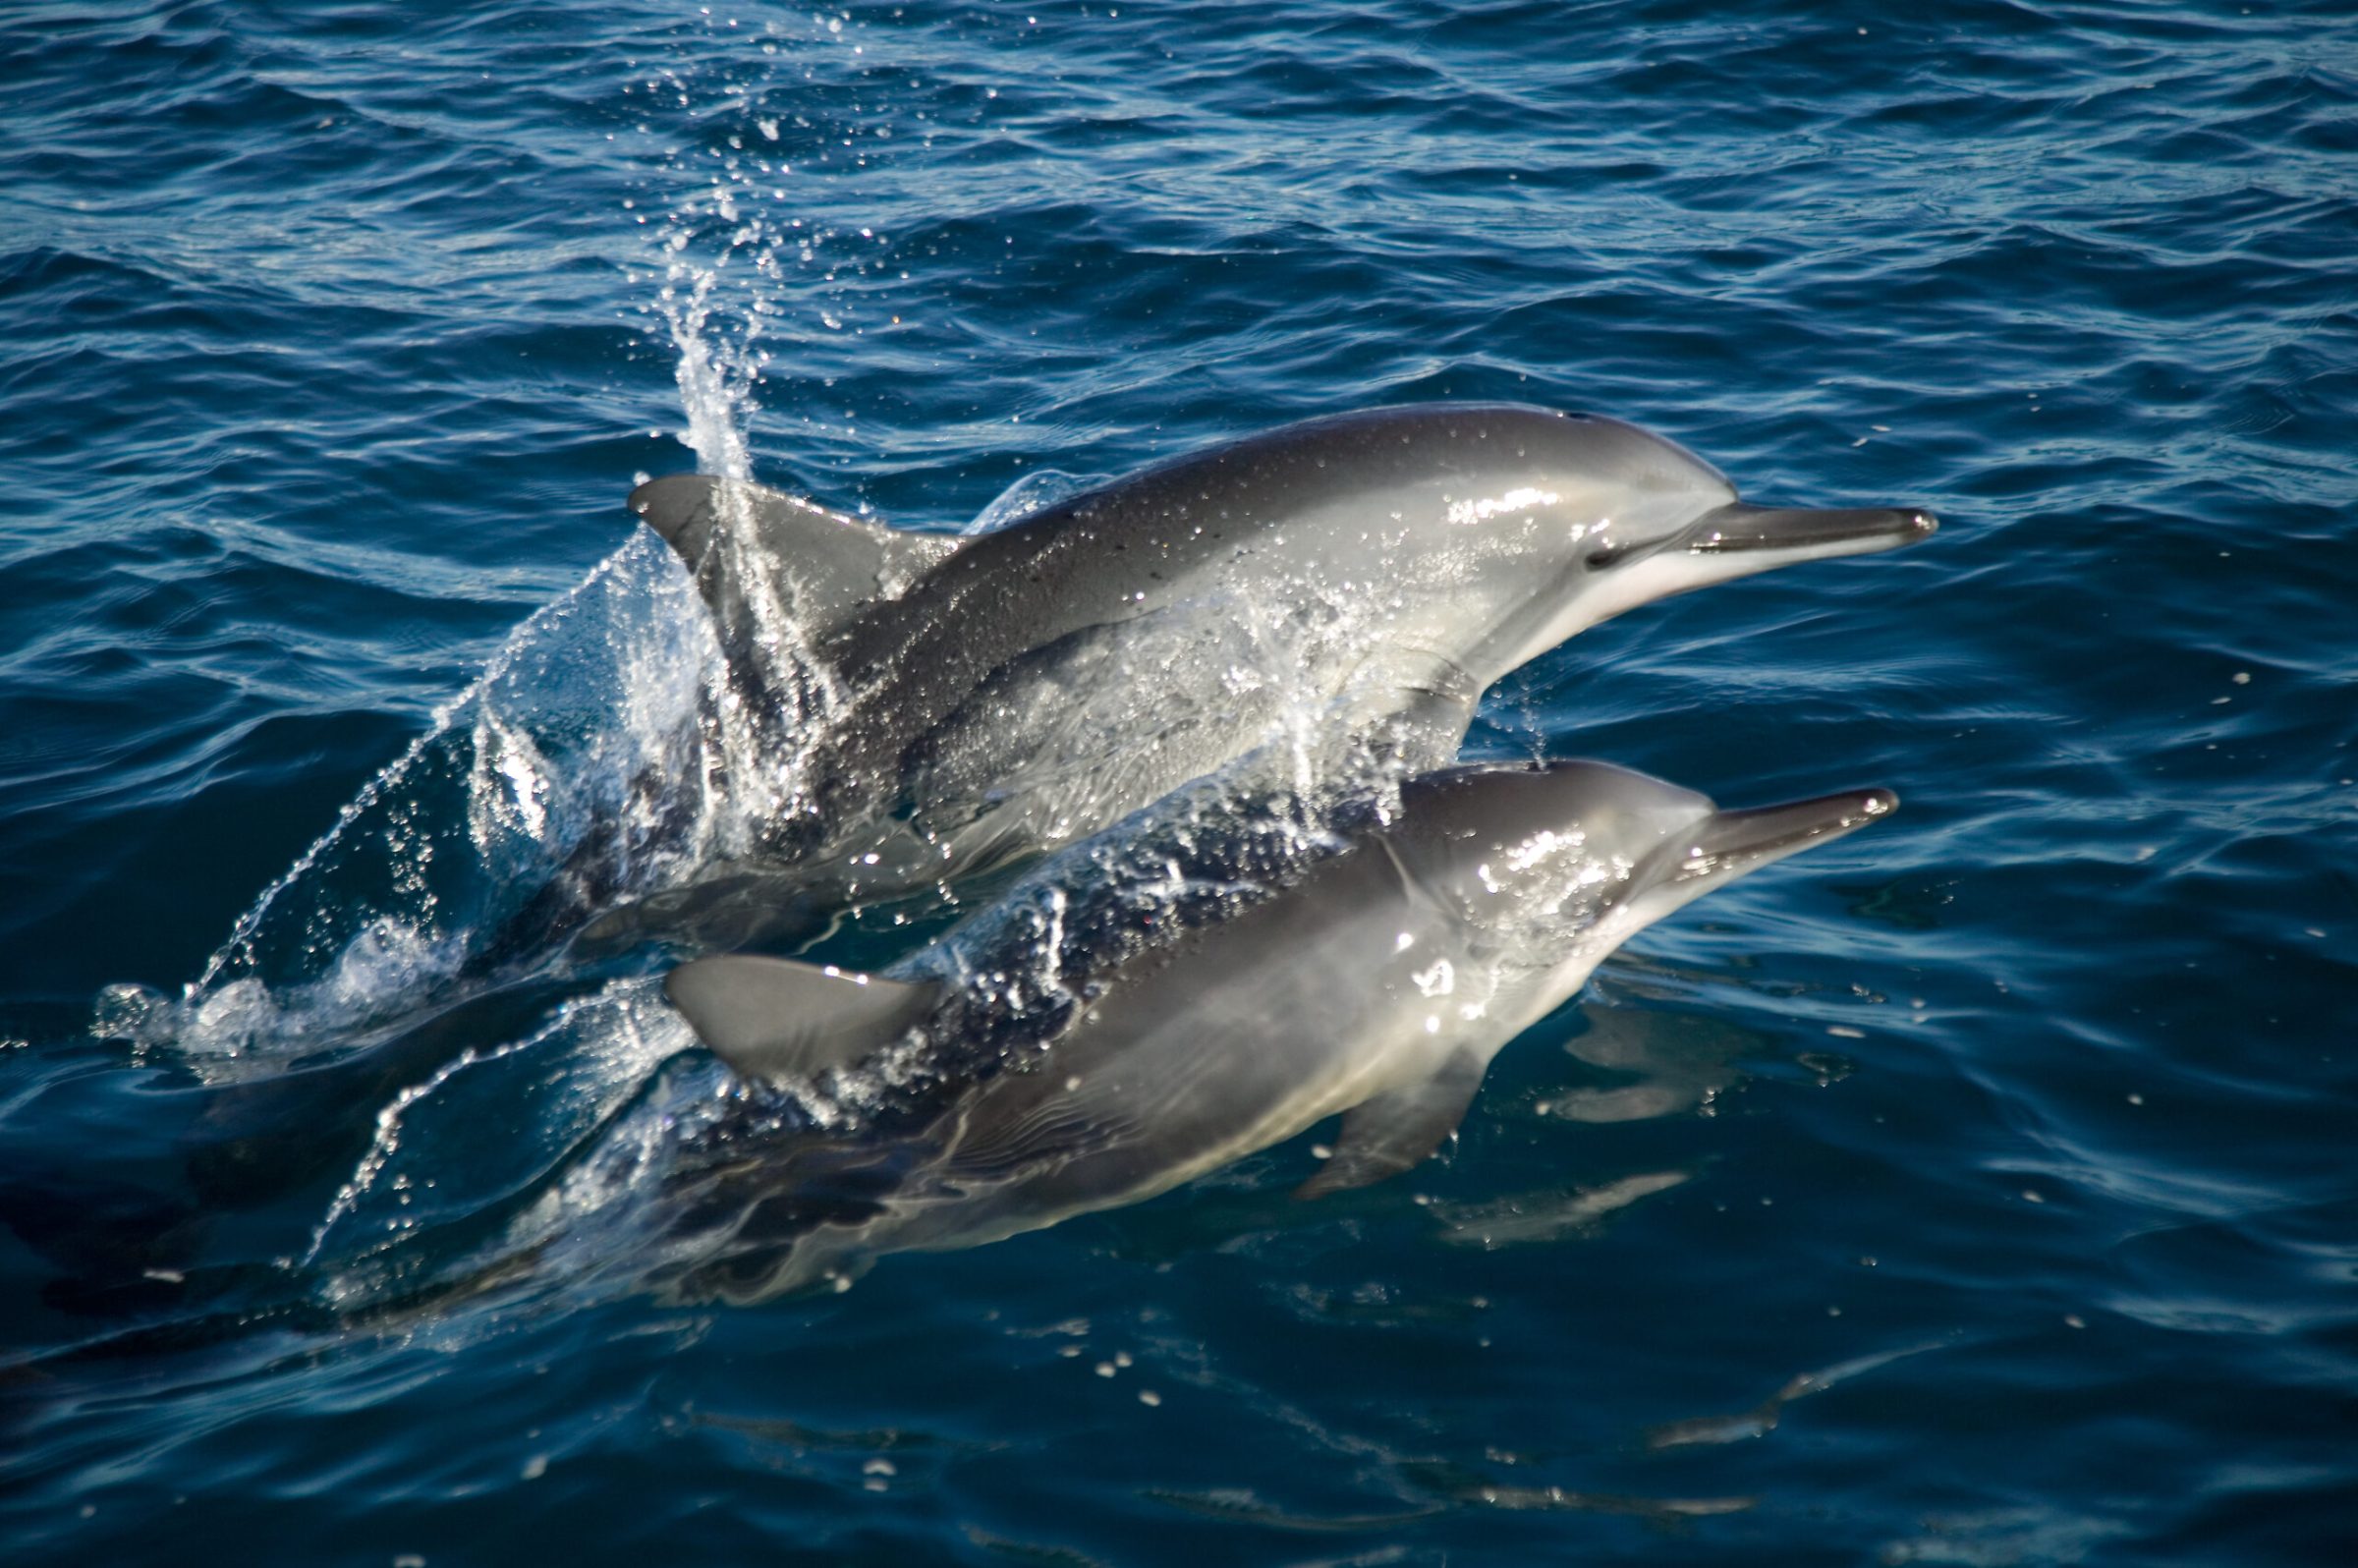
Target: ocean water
[{"x": 1976, "y": 1190}]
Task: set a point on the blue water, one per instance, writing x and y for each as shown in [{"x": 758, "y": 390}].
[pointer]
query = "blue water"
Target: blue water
[{"x": 1976, "y": 1190}]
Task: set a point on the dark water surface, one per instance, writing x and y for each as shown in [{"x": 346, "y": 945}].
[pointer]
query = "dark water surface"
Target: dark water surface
[{"x": 1978, "y": 1190}]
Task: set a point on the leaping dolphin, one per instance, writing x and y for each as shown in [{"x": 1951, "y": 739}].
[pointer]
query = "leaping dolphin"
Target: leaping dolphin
[
  {"x": 1366, "y": 576},
  {"x": 1378, "y": 986}
]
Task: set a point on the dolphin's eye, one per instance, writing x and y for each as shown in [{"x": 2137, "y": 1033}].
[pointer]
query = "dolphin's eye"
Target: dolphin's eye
[{"x": 1604, "y": 555}]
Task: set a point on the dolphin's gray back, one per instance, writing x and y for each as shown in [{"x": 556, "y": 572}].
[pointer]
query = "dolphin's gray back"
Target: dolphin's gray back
[
  {"x": 1113, "y": 553},
  {"x": 1106, "y": 614}
]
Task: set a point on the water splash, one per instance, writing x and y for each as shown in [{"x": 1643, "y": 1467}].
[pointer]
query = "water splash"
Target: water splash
[
  {"x": 1035, "y": 491},
  {"x": 554, "y": 745},
  {"x": 740, "y": 264},
  {"x": 717, "y": 375},
  {"x": 738, "y": 267}
]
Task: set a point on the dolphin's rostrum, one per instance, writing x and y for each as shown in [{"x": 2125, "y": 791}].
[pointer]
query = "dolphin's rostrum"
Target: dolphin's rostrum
[
  {"x": 1348, "y": 584},
  {"x": 1378, "y": 986}
]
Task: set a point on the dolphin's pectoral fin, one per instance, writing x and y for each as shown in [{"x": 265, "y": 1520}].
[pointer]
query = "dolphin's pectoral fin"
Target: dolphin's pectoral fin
[
  {"x": 1425, "y": 732},
  {"x": 825, "y": 564},
  {"x": 1081, "y": 730},
  {"x": 770, "y": 1018},
  {"x": 1410, "y": 707},
  {"x": 1000, "y": 1147},
  {"x": 1033, "y": 705},
  {"x": 1396, "y": 1130}
]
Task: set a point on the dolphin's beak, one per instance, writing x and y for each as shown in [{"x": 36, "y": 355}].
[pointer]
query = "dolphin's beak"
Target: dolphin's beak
[
  {"x": 1807, "y": 532},
  {"x": 1731, "y": 843}
]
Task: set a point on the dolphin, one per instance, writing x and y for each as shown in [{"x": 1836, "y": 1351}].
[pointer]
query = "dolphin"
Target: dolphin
[
  {"x": 1346, "y": 587},
  {"x": 1378, "y": 986}
]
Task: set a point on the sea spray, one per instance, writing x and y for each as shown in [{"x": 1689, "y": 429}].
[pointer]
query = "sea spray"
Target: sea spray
[{"x": 588, "y": 698}]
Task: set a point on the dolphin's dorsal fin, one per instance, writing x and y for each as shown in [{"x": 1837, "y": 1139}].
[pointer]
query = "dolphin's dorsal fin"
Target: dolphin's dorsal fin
[
  {"x": 772, "y": 1018},
  {"x": 1400, "y": 1128},
  {"x": 826, "y": 566}
]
